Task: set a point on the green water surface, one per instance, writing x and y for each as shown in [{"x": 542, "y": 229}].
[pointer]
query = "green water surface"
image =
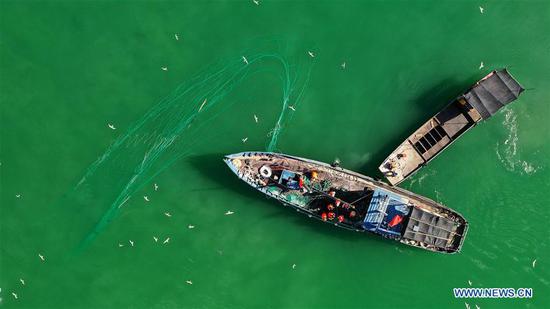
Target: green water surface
[{"x": 70, "y": 68}]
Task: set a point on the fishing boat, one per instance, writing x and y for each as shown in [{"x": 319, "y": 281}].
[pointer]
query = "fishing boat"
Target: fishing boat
[
  {"x": 480, "y": 102},
  {"x": 352, "y": 201}
]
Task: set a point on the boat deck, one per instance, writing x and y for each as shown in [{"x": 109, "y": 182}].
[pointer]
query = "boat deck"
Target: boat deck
[{"x": 428, "y": 141}]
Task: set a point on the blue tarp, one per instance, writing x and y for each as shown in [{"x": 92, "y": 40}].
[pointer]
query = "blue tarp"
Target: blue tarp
[
  {"x": 384, "y": 206},
  {"x": 288, "y": 180}
]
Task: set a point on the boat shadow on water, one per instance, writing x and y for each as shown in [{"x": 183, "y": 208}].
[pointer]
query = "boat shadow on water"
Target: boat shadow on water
[
  {"x": 427, "y": 103},
  {"x": 212, "y": 167}
]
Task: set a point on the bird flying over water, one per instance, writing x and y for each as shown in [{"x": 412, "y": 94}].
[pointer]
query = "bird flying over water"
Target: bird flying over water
[
  {"x": 202, "y": 105},
  {"x": 22, "y": 281},
  {"x": 167, "y": 240},
  {"x": 189, "y": 282},
  {"x": 245, "y": 60},
  {"x": 111, "y": 126},
  {"x": 470, "y": 282},
  {"x": 155, "y": 239},
  {"x": 534, "y": 263},
  {"x": 343, "y": 65},
  {"x": 167, "y": 214},
  {"x": 481, "y": 66},
  {"x": 467, "y": 306},
  {"x": 481, "y": 9},
  {"x": 255, "y": 118},
  {"x": 293, "y": 266},
  {"x": 292, "y": 108},
  {"x": 18, "y": 195},
  {"x": 191, "y": 226},
  {"x": 41, "y": 257},
  {"x": 120, "y": 245},
  {"x": 229, "y": 212},
  {"x": 244, "y": 139},
  {"x": 155, "y": 186},
  {"x": 14, "y": 295},
  {"x": 311, "y": 54},
  {"x": 131, "y": 243},
  {"x": 256, "y": 2},
  {"x": 164, "y": 68},
  {"x": 177, "y": 37},
  {"x": 146, "y": 198}
]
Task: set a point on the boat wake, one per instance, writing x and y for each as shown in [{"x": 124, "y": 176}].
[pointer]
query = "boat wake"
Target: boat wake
[
  {"x": 174, "y": 127},
  {"x": 507, "y": 151}
]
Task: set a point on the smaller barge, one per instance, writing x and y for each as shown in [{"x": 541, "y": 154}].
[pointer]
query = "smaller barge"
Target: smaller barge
[
  {"x": 352, "y": 201},
  {"x": 480, "y": 102}
]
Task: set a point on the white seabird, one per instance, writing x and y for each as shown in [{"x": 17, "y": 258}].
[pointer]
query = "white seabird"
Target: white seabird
[
  {"x": 311, "y": 54},
  {"x": 155, "y": 186},
  {"x": 164, "y": 68},
  {"x": 41, "y": 257},
  {"x": 189, "y": 282},
  {"x": 111, "y": 126},
  {"x": 155, "y": 239},
  {"x": 229, "y": 212},
  {"x": 146, "y": 198},
  {"x": 244, "y": 139},
  {"x": 202, "y": 105},
  {"x": 176, "y": 36},
  {"x": 481, "y": 66},
  {"x": 167, "y": 214},
  {"x": 292, "y": 108},
  {"x": 245, "y": 60},
  {"x": 167, "y": 240},
  {"x": 131, "y": 243},
  {"x": 481, "y": 9},
  {"x": 255, "y": 118}
]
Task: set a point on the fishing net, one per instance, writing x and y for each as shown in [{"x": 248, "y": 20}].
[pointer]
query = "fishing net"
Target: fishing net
[{"x": 173, "y": 128}]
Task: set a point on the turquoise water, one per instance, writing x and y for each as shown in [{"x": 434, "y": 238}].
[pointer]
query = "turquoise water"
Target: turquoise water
[{"x": 68, "y": 69}]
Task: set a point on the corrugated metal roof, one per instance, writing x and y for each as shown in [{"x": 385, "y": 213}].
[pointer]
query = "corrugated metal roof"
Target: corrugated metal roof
[{"x": 494, "y": 92}]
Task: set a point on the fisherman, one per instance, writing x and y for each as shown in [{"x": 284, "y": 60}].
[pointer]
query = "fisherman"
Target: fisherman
[
  {"x": 331, "y": 215},
  {"x": 314, "y": 175},
  {"x": 352, "y": 214},
  {"x": 324, "y": 216},
  {"x": 340, "y": 218},
  {"x": 330, "y": 207}
]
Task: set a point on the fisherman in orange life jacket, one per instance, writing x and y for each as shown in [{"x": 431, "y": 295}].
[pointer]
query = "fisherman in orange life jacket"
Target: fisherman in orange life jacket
[
  {"x": 331, "y": 215},
  {"x": 324, "y": 216}
]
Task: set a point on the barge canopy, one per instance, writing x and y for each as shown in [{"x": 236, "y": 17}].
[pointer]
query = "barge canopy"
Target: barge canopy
[{"x": 493, "y": 92}]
